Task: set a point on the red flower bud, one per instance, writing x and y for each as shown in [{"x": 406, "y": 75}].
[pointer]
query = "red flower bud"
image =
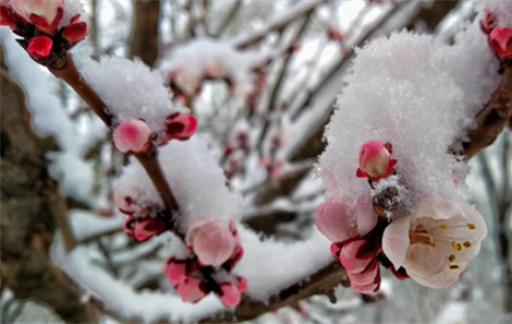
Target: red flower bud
[
  {"x": 75, "y": 32},
  {"x": 40, "y": 47},
  {"x": 180, "y": 126},
  {"x": 375, "y": 161},
  {"x": 500, "y": 41}
]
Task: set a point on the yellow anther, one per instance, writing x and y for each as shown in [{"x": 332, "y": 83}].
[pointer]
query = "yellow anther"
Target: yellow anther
[
  {"x": 456, "y": 246},
  {"x": 443, "y": 227},
  {"x": 467, "y": 244},
  {"x": 454, "y": 266},
  {"x": 451, "y": 258},
  {"x": 471, "y": 226}
]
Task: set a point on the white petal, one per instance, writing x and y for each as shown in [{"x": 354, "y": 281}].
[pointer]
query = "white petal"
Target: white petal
[{"x": 395, "y": 241}]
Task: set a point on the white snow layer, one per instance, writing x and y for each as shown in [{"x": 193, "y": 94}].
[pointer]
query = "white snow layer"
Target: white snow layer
[
  {"x": 503, "y": 11},
  {"x": 418, "y": 94},
  {"x": 196, "y": 179},
  {"x": 129, "y": 88}
]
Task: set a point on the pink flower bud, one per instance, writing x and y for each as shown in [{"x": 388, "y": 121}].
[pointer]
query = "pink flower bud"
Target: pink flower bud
[
  {"x": 7, "y": 18},
  {"x": 231, "y": 295},
  {"x": 180, "y": 126},
  {"x": 75, "y": 32},
  {"x": 123, "y": 203},
  {"x": 333, "y": 220},
  {"x": 176, "y": 271},
  {"x": 212, "y": 242},
  {"x": 500, "y": 41},
  {"x": 45, "y": 14},
  {"x": 143, "y": 229},
  {"x": 190, "y": 290},
  {"x": 40, "y": 47},
  {"x": 375, "y": 161},
  {"x": 132, "y": 136},
  {"x": 488, "y": 22},
  {"x": 359, "y": 258}
]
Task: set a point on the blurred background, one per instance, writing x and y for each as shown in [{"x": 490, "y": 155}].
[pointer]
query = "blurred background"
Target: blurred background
[{"x": 262, "y": 76}]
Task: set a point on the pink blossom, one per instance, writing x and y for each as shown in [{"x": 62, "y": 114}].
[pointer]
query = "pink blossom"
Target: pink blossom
[
  {"x": 132, "y": 136},
  {"x": 45, "y": 14},
  {"x": 338, "y": 222},
  {"x": 436, "y": 243},
  {"x": 180, "y": 126},
  {"x": 176, "y": 271},
  {"x": 212, "y": 242},
  {"x": 375, "y": 161},
  {"x": 231, "y": 295},
  {"x": 143, "y": 228},
  {"x": 40, "y": 47},
  {"x": 75, "y": 32},
  {"x": 359, "y": 258},
  {"x": 190, "y": 290},
  {"x": 500, "y": 41}
]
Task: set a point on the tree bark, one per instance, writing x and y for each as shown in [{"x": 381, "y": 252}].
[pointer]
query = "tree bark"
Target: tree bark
[{"x": 29, "y": 203}]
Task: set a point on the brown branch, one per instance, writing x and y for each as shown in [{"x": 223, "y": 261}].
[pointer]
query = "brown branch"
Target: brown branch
[
  {"x": 68, "y": 72},
  {"x": 278, "y": 24},
  {"x": 492, "y": 119},
  {"x": 144, "y": 36}
]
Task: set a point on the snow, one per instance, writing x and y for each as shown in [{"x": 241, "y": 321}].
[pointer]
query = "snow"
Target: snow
[
  {"x": 205, "y": 55},
  {"x": 129, "y": 88},
  {"x": 196, "y": 179},
  {"x": 501, "y": 8},
  {"x": 71, "y": 8},
  {"x": 453, "y": 313},
  {"x": 121, "y": 299},
  {"x": 86, "y": 224},
  {"x": 270, "y": 265},
  {"x": 419, "y": 95}
]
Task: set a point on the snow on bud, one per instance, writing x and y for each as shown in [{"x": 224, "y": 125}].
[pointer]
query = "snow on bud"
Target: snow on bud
[
  {"x": 436, "y": 243},
  {"x": 186, "y": 81},
  {"x": 45, "y": 14},
  {"x": 375, "y": 161},
  {"x": 212, "y": 242},
  {"x": 40, "y": 47},
  {"x": 338, "y": 222},
  {"x": 500, "y": 41},
  {"x": 132, "y": 136},
  {"x": 180, "y": 126}
]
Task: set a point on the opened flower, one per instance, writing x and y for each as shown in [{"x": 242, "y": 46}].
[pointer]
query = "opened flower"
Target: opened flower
[{"x": 436, "y": 243}]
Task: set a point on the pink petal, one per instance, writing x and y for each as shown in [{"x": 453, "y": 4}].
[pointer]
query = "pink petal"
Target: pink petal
[
  {"x": 46, "y": 9},
  {"x": 231, "y": 295},
  {"x": 176, "y": 271},
  {"x": 212, "y": 242},
  {"x": 349, "y": 258},
  {"x": 500, "y": 40},
  {"x": 334, "y": 220},
  {"x": 190, "y": 291},
  {"x": 395, "y": 241},
  {"x": 75, "y": 32},
  {"x": 366, "y": 277},
  {"x": 374, "y": 159},
  {"x": 366, "y": 218},
  {"x": 40, "y": 47},
  {"x": 148, "y": 228},
  {"x": 367, "y": 289},
  {"x": 132, "y": 136}
]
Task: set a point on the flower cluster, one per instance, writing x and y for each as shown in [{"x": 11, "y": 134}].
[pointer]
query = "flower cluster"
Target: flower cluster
[
  {"x": 433, "y": 244},
  {"x": 215, "y": 250},
  {"x": 134, "y": 136},
  {"x": 46, "y": 34},
  {"x": 499, "y": 38},
  {"x": 145, "y": 220}
]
